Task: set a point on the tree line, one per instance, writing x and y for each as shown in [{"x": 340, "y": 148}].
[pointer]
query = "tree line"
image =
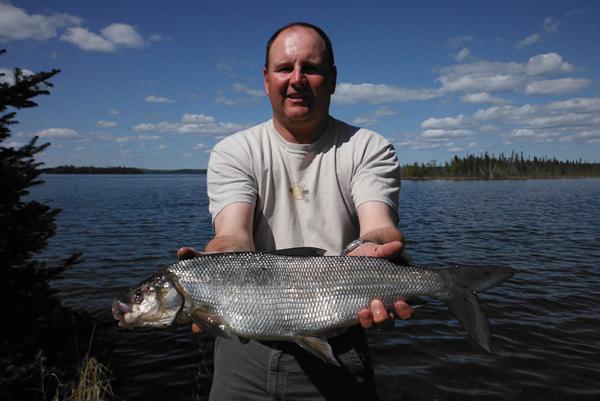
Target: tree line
[
  {"x": 70, "y": 169},
  {"x": 489, "y": 167}
]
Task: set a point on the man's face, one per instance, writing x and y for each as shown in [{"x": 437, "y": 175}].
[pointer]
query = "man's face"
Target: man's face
[{"x": 300, "y": 79}]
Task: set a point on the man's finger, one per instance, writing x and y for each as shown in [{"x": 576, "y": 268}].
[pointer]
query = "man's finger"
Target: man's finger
[
  {"x": 390, "y": 249},
  {"x": 185, "y": 252},
  {"x": 379, "y": 312},
  {"x": 365, "y": 318},
  {"x": 196, "y": 329},
  {"x": 403, "y": 310}
]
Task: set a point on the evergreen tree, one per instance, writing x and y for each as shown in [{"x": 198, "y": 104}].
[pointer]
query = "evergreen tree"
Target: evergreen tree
[
  {"x": 25, "y": 226},
  {"x": 32, "y": 316}
]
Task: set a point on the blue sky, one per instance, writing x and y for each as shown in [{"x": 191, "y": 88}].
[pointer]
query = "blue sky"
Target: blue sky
[{"x": 156, "y": 84}]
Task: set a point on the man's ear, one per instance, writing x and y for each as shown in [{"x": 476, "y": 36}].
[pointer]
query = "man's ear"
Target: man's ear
[
  {"x": 333, "y": 79},
  {"x": 266, "y": 80}
]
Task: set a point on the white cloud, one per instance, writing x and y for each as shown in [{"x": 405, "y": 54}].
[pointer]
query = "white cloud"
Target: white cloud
[
  {"x": 123, "y": 35},
  {"x": 221, "y": 99},
  {"x": 556, "y": 86},
  {"x": 446, "y": 122},
  {"x": 458, "y": 41},
  {"x": 8, "y": 76},
  {"x": 199, "y": 146},
  {"x": 157, "y": 38},
  {"x": 506, "y": 113},
  {"x": 87, "y": 40},
  {"x": 550, "y": 24},
  {"x": 106, "y": 124},
  {"x": 189, "y": 118},
  {"x": 158, "y": 99},
  {"x": 522, "y": 133},
  {"x": 482, "y": 97},
  {"x": 547, "y": 63},
  {"x": 113, "y": 112},
  {"x": 241, "y": 88},
  {"x": 16, "y": 24},
  {"x": 419, "y": 144},
  {"x": 446, "y": 133},
  {"x": 582, "y": 105},
  {"x": 364, "y": 121},
  {"x": 571, "y": 120},
  {"x": 384, "y": 112},
  {"x": 198, "y": 124},
  {"x": 529, "y": 40},
  {"x": 462, "y": 54},
  {"x": 59, "y": 133},
  {"x": 13, "y": 144},
  {"x": 481, "y": 76},
  {"x": 347, "y": 93},
  {"x": 144, "y": 137},
  {"x": 110, "y": 39},
  {"x": 124, "y": 139}
]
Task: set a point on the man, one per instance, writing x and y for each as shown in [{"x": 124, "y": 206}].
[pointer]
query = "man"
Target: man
[{"x": 302, "y": 179}]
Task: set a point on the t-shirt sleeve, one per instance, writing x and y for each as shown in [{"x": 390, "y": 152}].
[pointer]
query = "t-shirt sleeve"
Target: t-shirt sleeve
[
  {"x": 377, "y": 172},
  {"x": 229, "y": 176}
]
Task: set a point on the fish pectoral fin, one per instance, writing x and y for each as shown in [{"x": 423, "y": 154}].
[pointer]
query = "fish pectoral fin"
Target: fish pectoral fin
[
  {"x": 211, "y": 323},
  {"x": 300, "y": 251},
  {"x": 318, "y": 346}
]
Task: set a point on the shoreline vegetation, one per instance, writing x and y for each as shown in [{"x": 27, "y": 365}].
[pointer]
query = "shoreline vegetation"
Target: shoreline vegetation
[
  {"x": 470, "y": 167},
  {"x": 40, "y": 346},
  {"x": 70, "y": 169}
]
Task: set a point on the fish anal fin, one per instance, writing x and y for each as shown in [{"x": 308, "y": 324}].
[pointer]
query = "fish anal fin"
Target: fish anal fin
[{"x": 318, "y": 346}]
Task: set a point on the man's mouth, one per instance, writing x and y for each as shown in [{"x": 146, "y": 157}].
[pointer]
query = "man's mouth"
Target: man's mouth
[{"x": 297, "y": 97}]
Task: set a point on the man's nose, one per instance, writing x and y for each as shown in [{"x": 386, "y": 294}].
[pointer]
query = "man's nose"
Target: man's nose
[{"x": 297, "y": 76}]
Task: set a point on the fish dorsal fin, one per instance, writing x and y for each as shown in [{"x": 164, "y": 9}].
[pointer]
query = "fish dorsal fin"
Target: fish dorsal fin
[
  {"x": 300, "y": 251},
  {"x": 318, "y": 346}
]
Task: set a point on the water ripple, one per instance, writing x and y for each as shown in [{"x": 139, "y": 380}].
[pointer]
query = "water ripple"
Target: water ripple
[{"x": 546, "y": 319}]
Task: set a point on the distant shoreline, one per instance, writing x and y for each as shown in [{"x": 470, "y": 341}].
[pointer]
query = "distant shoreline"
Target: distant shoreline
[
  {"x": 472, "y": 169},
  {"x": 117, "y": 170},
  {"x": 203, "y": 172}
]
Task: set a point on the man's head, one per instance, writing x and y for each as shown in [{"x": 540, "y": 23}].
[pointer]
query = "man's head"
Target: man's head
[
  {"x": 299, "y": 78},
  {"x": 315, "y": 28}
]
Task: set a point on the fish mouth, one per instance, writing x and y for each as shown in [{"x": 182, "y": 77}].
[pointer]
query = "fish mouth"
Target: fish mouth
[{"x": 119, "y": 309}]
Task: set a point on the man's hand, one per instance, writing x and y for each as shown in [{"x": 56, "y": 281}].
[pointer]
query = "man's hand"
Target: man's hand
[
  {"x": 377, "y": 313},
  {"x": 184, "y": 253}
]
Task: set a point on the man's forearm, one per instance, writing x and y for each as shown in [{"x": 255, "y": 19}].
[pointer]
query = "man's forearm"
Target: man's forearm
[
  {"x": 228, "y": 243},
  {"x": 383, "y": 235}
]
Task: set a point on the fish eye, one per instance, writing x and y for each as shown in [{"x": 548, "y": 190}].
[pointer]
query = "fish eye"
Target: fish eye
[{"x": 138, "y": 296}]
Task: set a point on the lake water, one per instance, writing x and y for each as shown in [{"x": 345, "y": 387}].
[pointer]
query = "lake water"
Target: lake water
[{"x": 546, "y": 319}]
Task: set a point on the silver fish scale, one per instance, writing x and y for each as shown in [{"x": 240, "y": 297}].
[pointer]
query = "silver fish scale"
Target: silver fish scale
[{"x": 262, "y": 295}]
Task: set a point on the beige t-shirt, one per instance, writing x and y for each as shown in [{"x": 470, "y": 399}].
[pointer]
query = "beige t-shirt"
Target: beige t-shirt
[{"x": 303, "y": 195}]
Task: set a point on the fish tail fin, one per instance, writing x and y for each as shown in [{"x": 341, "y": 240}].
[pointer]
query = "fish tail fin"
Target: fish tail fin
[{"x": 464, "y": 284}]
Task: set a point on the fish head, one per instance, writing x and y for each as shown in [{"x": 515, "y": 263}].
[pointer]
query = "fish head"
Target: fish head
[{"x": 154, "y": 302}]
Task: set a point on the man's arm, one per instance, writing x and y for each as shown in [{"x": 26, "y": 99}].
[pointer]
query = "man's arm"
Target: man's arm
[
  {"x": 233, "y": 232},
  {"x": 377, "y": 225},
  {"x": 233, "y": 229}
]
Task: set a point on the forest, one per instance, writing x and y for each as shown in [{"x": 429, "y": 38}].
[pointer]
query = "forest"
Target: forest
[{"x": 489, "y": 167}]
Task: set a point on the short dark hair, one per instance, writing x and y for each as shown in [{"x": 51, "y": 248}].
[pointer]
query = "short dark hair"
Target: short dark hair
[{"x": 315, "y": 28}]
